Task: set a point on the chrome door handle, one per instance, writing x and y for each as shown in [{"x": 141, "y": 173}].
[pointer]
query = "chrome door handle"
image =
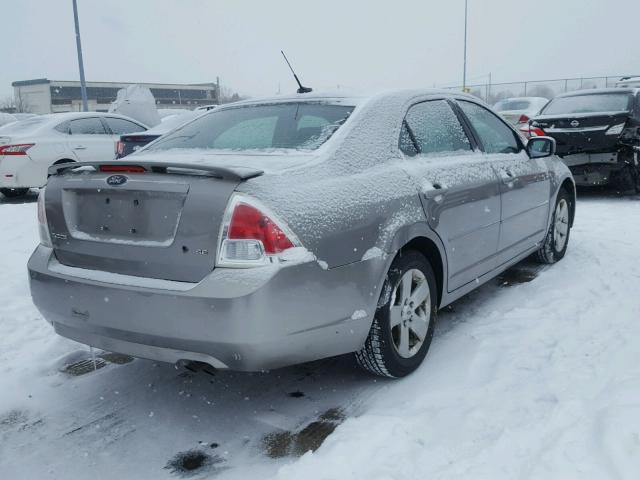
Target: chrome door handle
[
  {"x": 436, "y": 194},
  {"x": 80, "y": 147},
  {"x": 507, "y": 177}
]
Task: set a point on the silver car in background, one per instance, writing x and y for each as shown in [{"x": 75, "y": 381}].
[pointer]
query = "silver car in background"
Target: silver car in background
[
  {"x": 520, "y": 109},
  {"x": 273, "y": 232}
]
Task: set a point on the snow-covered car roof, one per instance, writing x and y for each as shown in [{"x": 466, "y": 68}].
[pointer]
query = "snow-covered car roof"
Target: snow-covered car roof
[
  {"x": 399, "y": 96},
  {"x": 75, "y": 115},
  {"x": 30, "y": 125}
]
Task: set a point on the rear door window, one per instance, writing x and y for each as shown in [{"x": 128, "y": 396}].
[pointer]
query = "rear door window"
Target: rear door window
[
  {"x": 120, "y": 126},
  {"x": 493, "y": 133},
  {"x": 432, "y": 127},
  {"x": 86, "y": 126}
]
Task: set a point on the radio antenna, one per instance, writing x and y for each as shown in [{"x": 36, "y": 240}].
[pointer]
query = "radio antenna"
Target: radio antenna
[{"x": 301, "y": 89}]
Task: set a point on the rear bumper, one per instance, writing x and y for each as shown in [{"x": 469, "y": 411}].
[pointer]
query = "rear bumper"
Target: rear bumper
[
  {"x": 238, "y": 319},
  {"x": 592, "y": 169},
  {"x": 18, "y": 171}
]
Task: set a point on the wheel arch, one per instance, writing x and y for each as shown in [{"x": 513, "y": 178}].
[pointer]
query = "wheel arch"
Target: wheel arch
[
  {"x": 63, "y": 160},
  {"x": 419, "y": 237},
  {"x": 569, "y": 187}
]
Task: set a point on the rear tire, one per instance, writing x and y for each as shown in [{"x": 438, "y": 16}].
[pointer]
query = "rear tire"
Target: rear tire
[
  {"x": 403, "y": 324},
  {"x": 557, "y": 240},
  {"x": 14, "y": 192}
]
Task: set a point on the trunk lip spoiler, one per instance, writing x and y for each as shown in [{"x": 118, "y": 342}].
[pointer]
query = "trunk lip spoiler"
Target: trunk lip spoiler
[{"x": 237, "y": 173}]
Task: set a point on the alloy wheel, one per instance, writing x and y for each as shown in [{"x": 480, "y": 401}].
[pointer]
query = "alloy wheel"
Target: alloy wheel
[
  {"x": 561, "y": 225},
  {"x": 410, "y": 313}
]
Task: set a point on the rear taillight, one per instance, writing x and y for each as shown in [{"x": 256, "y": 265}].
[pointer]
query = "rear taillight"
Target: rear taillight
[
  {"x": 615, "y": 130},
  {"x": 523, "y": 119},
  {"x": 530, "y": 131},
  {"x": 122, "y": 169},
  {"x": 43, "y": 228},
  {"x": 119, "y": 149},
  {"x": 19, "y": 149},
  {"x": 249, "y": 223},
  {"x": 251, "y": 235}
]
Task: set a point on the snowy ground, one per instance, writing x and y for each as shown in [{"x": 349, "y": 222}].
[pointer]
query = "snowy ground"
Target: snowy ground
[{"x": 529, "y": 380}]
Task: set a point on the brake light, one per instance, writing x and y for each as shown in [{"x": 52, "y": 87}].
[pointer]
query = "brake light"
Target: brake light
[
  {"x": 530, "y": 131},
  {"x": 249, "y": 223},
  {"x": 43, "y": 228},
  {"x": 615, "y": 130},
  {"x": 122, "y": 169},
  {"x": 252, "y": 235},
  {"x": 536, "y": 132},
  {"x": 18, "y": 149},
  {"x": 523, "y": 119}
]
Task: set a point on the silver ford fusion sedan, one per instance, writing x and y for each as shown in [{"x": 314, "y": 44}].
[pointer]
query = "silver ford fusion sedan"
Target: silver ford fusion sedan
[{"x": 272, "y": 232}]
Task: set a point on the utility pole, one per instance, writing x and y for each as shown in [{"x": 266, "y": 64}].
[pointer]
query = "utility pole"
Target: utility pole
[
  {"x": 464, "y": 67},
  {"x": 83, "y": 84}
]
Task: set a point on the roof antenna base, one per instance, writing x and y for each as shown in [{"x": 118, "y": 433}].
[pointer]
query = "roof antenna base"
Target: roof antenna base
[{"x": 301, "y": 89}]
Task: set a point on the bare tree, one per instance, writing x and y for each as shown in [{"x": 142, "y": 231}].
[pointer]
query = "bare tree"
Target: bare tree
[
  {"x": 227, "y": 95},
  {"x": 16, "y": 104},
  {"x": 21, "y": 103},
  {"x": 8, "y": 105},
  {"x": 541, "y": 91}
]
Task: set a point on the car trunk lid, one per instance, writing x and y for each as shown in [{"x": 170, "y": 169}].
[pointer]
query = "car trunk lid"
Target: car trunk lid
[
  {"x": 161, "y": 223},
  {"x": 582, "y": 133}
]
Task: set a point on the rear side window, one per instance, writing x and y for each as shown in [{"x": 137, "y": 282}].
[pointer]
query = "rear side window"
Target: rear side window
[
  {"x": 431, "y": 128},
  {"x": 120, "y": 126},
  {"x": 86, "y": 126},
  {"x": 300, "y": 125},
  {"x": 495, "y": 135}
]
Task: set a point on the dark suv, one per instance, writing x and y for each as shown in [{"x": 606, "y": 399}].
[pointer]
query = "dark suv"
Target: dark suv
[{"x": 597, "y": 133}]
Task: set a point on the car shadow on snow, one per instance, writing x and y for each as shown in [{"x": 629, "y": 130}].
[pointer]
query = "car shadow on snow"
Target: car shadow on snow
[
  {"x": 30, "y": 197},
  {"x": 600, "y": 192},
  {"x": 204, "y": 422}
]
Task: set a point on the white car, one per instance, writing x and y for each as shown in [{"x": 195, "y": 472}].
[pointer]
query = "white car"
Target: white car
[
  {"x": 6, "y": 118},
  {"x": 628, "y": 82},
  {"x": 520, "y": 109},
  {"x": 29, "y": 147}
]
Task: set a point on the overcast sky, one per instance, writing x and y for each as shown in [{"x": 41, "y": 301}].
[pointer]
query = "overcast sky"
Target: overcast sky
[{"x": 359, "y": 44}]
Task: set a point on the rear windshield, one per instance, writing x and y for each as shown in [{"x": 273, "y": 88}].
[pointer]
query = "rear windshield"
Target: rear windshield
[
  {"x": 23, "y": 126},
  {"x": 301, "y": 126},
  {"x": 601, "y": 102},
  {"x": 506, "y": 105}
]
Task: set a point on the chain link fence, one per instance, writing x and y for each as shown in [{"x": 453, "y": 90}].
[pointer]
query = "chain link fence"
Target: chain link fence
[{"x": 493, "y": 92}]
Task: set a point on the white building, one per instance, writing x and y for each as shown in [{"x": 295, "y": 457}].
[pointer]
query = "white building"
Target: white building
[{"x": 42, "y": 95}]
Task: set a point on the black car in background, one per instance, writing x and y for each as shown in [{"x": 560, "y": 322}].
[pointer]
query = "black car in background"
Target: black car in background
[
  {"x": 597, "y": 133},
  {"x": 131, "y": 142}
]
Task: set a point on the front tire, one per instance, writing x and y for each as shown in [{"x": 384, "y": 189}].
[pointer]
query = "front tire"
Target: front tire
[
  {"x": 557, "y": 240},
  {"x": 14, "y": 192},
  {"x": 403, "y": 324}
]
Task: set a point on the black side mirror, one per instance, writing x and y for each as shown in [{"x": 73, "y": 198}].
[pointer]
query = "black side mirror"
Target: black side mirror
[{"x": 541, "y": 147}]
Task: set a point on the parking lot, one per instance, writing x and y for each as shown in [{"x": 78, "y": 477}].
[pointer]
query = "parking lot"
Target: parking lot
[{"x": 542, "y": 363}]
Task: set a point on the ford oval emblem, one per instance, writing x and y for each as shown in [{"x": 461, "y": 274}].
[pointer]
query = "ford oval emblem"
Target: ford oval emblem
[
  {"x": 575, "y": 123},
  {"x": 116, "y": 180}
]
